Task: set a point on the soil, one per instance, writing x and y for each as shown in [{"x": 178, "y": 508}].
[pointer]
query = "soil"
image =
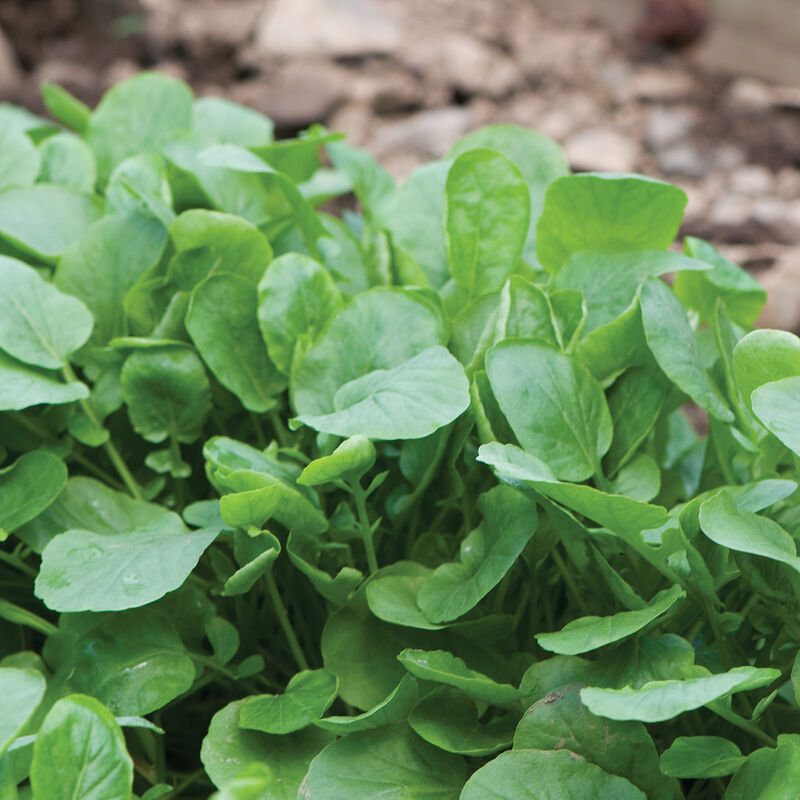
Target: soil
[{"x": 405, "y": 78}]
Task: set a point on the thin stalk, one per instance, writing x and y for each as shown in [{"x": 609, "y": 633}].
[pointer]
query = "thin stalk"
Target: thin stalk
[
  {"x": 14, "y": 561},
  {"x": 116, "y": 459},
  {"x": 283, "y": 619},
  {"x": 261, "y": 441},
  {"x": 365, "y": 529},
  {"x": 569, "y": 581},
  {"x": 743, "y": 724},
  {"x": 280, "y": 429},
  {"x": 98, "y": 472}
]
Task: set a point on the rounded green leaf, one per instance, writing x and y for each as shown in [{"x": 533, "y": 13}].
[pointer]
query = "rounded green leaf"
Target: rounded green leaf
[
  {"x": 167, "y": 394},
  {"x": 614, "y": 213},
  {"x": 393, "y": 598},
  {"x": 21, "y": 690},
  {"x": 19, "y": 159},
  {"x": 29, "y": 486},
  {"x": 765, "y": 356},
  {"x": 546, "y": 775},
  {"x": 150, "y": 554},
  {"x": 382, "y": 329},
  {"x": 309, "y": 694},
  {"x": 487, "y": 213},
  {"x": 448, "y": 719},
  {"x": 672, "y": 342},
  {"x": 443, "y": 667},
  {"x": 22, "y": 386},
  {"x": 39, "y": 324},
  {"x": 296, "y": 297},
  {"x": 135, "y": 116},
  {"x": 768, "y": 774},
  {"x": 67, "y": 160},
  {"x": 777, "y": 406},
  {"x": 80, "y": 752},
  {"x": 410, "y": 401},
  {"x": 555, "y": 407},
  {"x": 585, "y": 634},
  {"x": 701, "y": 757},
  {"x": 228, "y": 749},
  {"x": 133, "y": 662},
  {"x": 391, "y": 763},
  {"x": 349, "y": 461},
  {"x": 231, "y": 123},
  {"x": 222, "y": 323},
  {"x": 661, "y": 700},
  {"x": 45, "y": 219}
]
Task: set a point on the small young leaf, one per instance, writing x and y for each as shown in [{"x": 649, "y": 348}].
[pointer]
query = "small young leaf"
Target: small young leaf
[{"x": 701, "y": 757}]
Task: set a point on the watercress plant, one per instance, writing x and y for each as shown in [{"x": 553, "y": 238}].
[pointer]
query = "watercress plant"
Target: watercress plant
[{"x": 402, "y": 502}]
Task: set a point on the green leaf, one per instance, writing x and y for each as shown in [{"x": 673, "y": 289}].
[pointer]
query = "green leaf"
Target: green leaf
[
  {"x": 22, "y": 691},
  {"x": 415, "y": 219},
  {"x": 768, "y": 774},
  {"x": 776, "y": 405},
  {"x": 222, "y": 323},
  {"x": 529, "y": 314},
  {"x": 390, "y": 763},
  {"x": 309, "y": 694},
  {"x": 19, "y": 159},
  {"x": 349, "y": 461},
  {"x": 45, "y": 219},
  {"x": 448, "y": 719},
  {"x": 487, "y": 212},
  {"x": 38, "y": 324},
  {"x": 395, "y": 708},
  {"x": 443, "y": 667},
  {"x": 765, "y": 356},
  {"x": 228, "y": 749},
  {"x": 612, "y": 213},
  {"x": 746, "y": 532},
  {"x": 29, "y": 486},
  {"x": 135, "y": 116},
  {"x": 539, "y": 159},
  {"x": 672, "y": 342},
  {"x": 139, "y": 185},
  {"x": 661, "y": 700},
  {"x": 372, "y": 184},
  {"x": 148, "y": 553},
  {"x": 296, "y": 297},
  {"x": 588, "y": 633},
  {"x": 393, "y": 598},
  {"x": 608, "y": 281},
  {"x": 409, "y": 401},
  {"x": 80, "y": 752},
  {"x": 231, "y": 123},
  {"x": 305, "y": 553},
  {"x": 555, "y": 407},
  {"x": 66, "y": 107},
  {"x": 397, "y": 323},
  {"x": 545, "y": 775},
  {"x": 210, "y": 243},
  {"x": 256, "y": 555},
  {"x": 486, "y": 555},
  {"x": 624, "y": 516},
  {"x": 133, "y": 662},
  {"x": 22, "y": 386},
  {"x": 701, "y": 757},
  {"x": 105, "y": 263},
  {"x": 167, "y": 394},
  {"x": 67, "y": 160},
  {"x": 560, "y": 721},
  {"x": 743, "y": 295}
]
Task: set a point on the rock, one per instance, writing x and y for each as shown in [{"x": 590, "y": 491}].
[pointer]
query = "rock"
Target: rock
[
  {"x": 477, "y": 68},
  {"x": 572, "y": 112},
  {"x": 568, "y": 55},
  {"x": 297, "y": 95},
  {"x": 10, "y": 73},
  {"x": 386, "y": 87},
  {"x": 354, "y": 119},
  {"x": 752, "y": 180},
  {"x": 782, "y": 282},
  {"x": 749, "y": 95},
  {"x": 601, "y": 150},
  {"x": 666, "y": 125},
  {"x": 334, "y": 28},
  {"x": 730, "y": 210},
  {"x": 687, "y": 159},
  {"x": 787, "y": 182},
  {"x": 81, "y": 80},
  {"x": 429, "y": 134},
  {"x": 657, "y": 83}
]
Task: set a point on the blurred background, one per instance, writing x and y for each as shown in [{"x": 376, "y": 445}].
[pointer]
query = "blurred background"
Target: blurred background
[{"x": 703, "y": 93}]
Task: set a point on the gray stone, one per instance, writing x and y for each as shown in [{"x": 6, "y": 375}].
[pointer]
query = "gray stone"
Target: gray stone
[
  {"x": 10, "y": 73},
  {"x": 429, "y": 134},
  {"x": 334, "y": 28},
  {"x": 667, "y": 125},
  {"x": 782, "y": 282},
  {"x": 749, "y": 95},
  {"x": 683, "y": 159},
  {"x": 752, "y": 180},
  {"x": 477, "y": 68},
  {"x": 658, "y": 83},
  {"x": 602, "y": 150}
]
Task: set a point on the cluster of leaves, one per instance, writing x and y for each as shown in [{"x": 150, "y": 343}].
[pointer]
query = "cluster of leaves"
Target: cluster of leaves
[{"x": 397, "y": 504}]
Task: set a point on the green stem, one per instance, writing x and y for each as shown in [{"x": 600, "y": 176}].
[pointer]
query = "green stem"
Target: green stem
[
  {"x": 111, "y": 450},
  {"x": 365, "y": 529},
  {"x": 566, "y": 575},
  {"x": 743, "y": 724},
  {"x": 98, "y": 472},
  {"x": 280, "y": 429},
  {"x": 14, "y": 561},
  {"x": 261, "y": 441},
  {"x": 283, "y": 619}
]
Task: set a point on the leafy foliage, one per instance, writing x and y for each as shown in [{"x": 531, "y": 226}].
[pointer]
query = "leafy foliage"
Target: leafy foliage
[{"x": 403, "y": 504}]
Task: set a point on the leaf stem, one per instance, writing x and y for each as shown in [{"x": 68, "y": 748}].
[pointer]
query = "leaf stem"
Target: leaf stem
[
  {"x": 365, "y": 529},
  {"x": 111, "y": 450},
  {"x": 569, "y": 581},
  {"x": 14, "y": 561},
  {"x": 743, "y": 724},
  {"x": 283, "y": 619}
]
